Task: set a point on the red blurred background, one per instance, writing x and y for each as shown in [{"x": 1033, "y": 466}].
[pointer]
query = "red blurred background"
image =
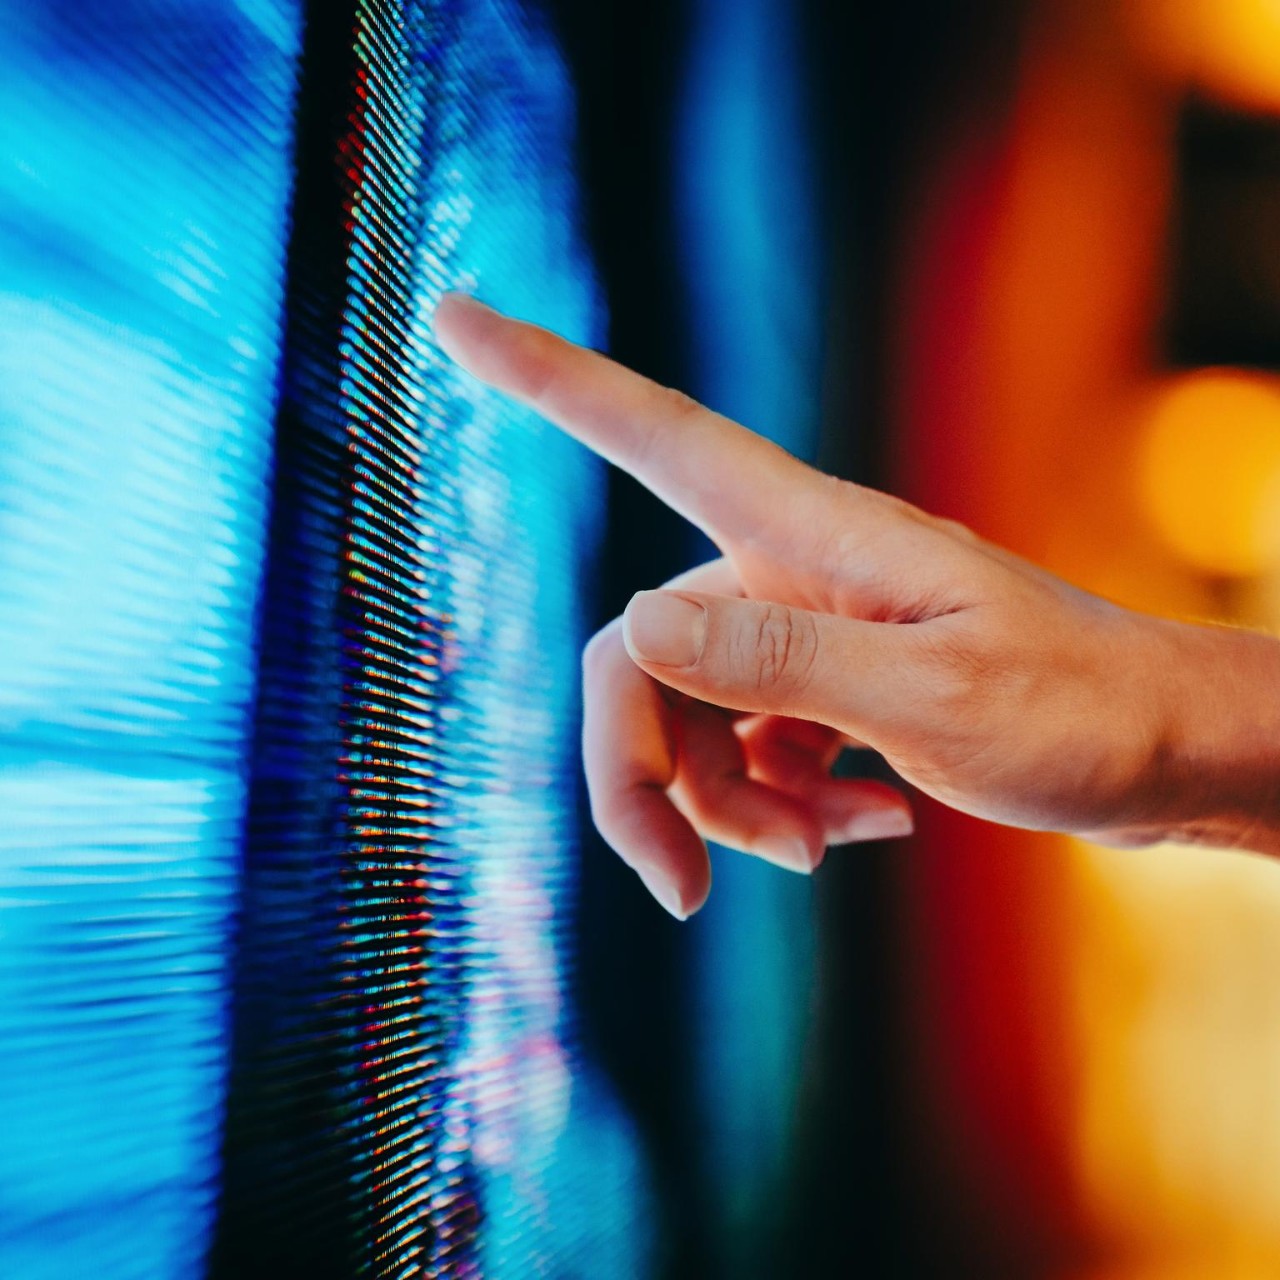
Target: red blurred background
[{"x": 1084, "y": 355}]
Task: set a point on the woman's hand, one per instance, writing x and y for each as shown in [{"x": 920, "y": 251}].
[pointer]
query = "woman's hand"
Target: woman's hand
[{"x": 839, "y": 615}]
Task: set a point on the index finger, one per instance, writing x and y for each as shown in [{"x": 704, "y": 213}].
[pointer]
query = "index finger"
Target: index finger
[{"x": 729, "y": 481}]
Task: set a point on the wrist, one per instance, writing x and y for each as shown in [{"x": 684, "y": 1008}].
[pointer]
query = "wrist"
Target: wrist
[{"x": 1215, "y": 776}]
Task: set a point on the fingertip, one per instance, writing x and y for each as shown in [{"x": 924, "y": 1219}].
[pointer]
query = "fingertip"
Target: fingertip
[
  {"x": 454, "y": 315},
  {"x": 791, "y": 853},
  {"x": 697, "y": 888},
  {"x": 670, "y": 893},
  {"x": 659, "y": 844},
  {"x": 664, "y": 629},
  {"x": 663, "y": 890},
  {"x": 855, "y": 810},
  {"x": 890, "y": 823}
]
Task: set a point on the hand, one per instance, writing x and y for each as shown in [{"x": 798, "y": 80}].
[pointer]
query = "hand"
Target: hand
[{"x": 839, "y": 615}]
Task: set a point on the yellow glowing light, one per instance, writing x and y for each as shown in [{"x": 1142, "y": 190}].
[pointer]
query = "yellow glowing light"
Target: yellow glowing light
[
  {"x": 1229, "y": 49},
  {"x": 1175, "y": 994},
  {"x": 1210, "y": 470}
]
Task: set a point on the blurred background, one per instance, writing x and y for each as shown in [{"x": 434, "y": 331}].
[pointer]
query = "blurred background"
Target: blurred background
[
  {"x": 1018, "y": 262},
  {"x": 310, "y": 961}
]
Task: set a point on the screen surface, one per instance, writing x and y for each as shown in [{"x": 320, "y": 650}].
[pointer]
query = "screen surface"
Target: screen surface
[{"x": 290, "y": 620}]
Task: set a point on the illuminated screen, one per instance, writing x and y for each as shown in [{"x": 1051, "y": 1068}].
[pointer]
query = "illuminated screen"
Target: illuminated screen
[{"x": 289, "y": 618}]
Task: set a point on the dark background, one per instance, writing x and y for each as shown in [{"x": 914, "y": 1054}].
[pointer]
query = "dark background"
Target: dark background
[{"x": 880, "y": 83}]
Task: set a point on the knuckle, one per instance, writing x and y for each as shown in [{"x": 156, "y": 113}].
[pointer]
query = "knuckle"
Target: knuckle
[
  {"x": 890, "y": 508},
  {"x": 601, "y": 651},
  {"x": 675, "y": 404},
  {"x": 786, "y": 649},
  {"x": 955, "y": 530},
  {"x": 536, "y": 354},
  {"x": 891, "y": 535}
]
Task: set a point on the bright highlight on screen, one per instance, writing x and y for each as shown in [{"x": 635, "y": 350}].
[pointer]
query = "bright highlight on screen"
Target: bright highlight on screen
[
  {"x": 289, "y": 613},
  {"x": 139, "y": 338}
]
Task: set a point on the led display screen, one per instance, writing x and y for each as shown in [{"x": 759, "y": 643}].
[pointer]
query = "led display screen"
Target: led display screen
[{"x": 289, "y": 616}]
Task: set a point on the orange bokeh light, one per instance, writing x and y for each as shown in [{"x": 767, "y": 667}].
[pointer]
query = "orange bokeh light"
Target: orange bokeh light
[
  {"x": 1227, "y": 49},
  {"x": 1209, "y": 470},
  {"x": 1096, "y": 1031}
]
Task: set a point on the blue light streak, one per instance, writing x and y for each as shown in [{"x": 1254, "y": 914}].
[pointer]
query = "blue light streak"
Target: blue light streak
[{"x": 139, "y": 316}]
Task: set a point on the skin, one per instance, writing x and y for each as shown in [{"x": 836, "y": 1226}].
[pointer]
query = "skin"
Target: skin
[{"x": 840, "y": 616}]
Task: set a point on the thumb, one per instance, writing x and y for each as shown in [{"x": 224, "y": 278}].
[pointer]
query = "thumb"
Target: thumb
[{"x": 753, "y": 655}]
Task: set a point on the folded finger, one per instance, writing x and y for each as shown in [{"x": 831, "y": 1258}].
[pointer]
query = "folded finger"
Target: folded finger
[
  {"x": 848, "y": 809},
  {"x": 820, "y": 741},
  {"x": 629, "y": 757},
  {"x": 713, "y": 789}
]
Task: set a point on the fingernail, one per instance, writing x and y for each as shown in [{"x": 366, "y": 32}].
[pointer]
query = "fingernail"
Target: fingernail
[
  {"x": 665, "y": 890},
  {"x": 877, "y": 824},
  {"x": 665, "y": 629},
  {"x": 790, "y": 852}
]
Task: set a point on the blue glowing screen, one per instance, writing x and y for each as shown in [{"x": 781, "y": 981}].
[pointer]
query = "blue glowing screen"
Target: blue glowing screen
[
  {"x": 289, "y": 625},
  {"x": 750, "y": 228}
]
